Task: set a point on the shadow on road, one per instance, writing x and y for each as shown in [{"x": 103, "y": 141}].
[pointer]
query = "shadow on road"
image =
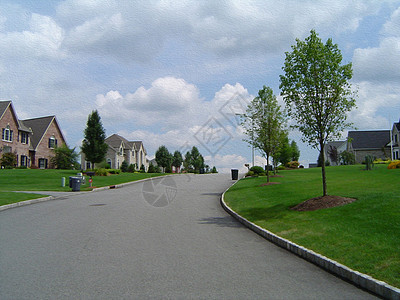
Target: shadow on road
[{"x": 221, "y": 221}]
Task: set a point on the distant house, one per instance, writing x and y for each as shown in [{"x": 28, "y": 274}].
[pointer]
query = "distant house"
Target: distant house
[
  {"x": 396, "y": 140},
  {"x": 32, "y": 140},
  {"x": 119, "y": 150},
  {"x": 334, "y": 147},
  {"x": 375, "y": 143}
]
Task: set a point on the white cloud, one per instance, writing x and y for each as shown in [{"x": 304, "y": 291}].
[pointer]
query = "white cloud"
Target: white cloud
[{"x": 42, "y": 40}]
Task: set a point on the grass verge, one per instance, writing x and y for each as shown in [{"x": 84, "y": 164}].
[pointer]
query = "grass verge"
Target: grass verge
[
  {"x": 50, "y": 180},
  {"x": 363, "y": 235}
]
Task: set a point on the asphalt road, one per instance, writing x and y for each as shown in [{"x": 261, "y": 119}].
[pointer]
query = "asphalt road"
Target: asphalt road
[{"x": 166, "y": 239}]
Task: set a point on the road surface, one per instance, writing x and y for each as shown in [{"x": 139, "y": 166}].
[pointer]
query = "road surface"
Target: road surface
[{"x": 165, "y": 239}]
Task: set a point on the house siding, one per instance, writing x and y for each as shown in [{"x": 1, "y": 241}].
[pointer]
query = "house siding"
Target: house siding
[{"x": 20, "y": 149}]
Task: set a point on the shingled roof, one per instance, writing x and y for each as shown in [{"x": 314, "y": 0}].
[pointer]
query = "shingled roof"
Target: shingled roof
[
  {"x": 374, "y": 139},
  {"x": 114, "y": 141},
  {"x": 3, "y": 107},
  {"x": 39, "y": 127}
]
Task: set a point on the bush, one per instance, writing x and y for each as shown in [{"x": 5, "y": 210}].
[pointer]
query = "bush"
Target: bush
[
  {"x": 131, "y": 168},
  {"x": 380, "y": 161},
  {"x": 249, "y": 174},
  {"x": 103, "y": 165},
  {"x": 124, "y": 166},
  {"x": 143, "y": 169},
  {"x": 101, "y": 172},
  {"x": 293, "y": 164},
  {"x": 151, "y": 169},
  {"x": 258, "y": 170},
  {"x": 8, "y": 160},
  {"x": 394, "y": 164},
  {"x": 114, "y": 171},
  {"x": 280, "y": 167}
]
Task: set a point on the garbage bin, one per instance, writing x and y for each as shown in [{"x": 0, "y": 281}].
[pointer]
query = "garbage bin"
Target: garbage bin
[
  {"x": 75, "y": 183},
  {"x": 235, "y": 174},
  {"x": 202, "y": 171}
]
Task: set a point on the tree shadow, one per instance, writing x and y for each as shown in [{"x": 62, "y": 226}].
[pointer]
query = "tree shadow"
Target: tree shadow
[
  {"x": 227, "y": 221},
  {"x": 255, "y": 214}
]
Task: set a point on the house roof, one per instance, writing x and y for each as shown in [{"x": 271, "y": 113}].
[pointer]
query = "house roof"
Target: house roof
[
  {"x": 3, "y": 107},
  {"x": 397, "y": 125},
  {"x": 139, "y": 144},
  {"x": 115, "y": 140},
  {"x": 374, "y": 139},
  {"x": 336, "y": 144},
  {"x": 39, "y": 127}
]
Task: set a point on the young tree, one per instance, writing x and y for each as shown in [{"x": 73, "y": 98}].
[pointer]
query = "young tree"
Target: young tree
[
  {"x": 177, "y": 160},
  {"x": 93, "y": 145},
  {"x": 163, "y": 157},
  {"x": 295, "y": 152},
  {"x": 317, "y": 92},
  {"x": 64, "y": 158},
  {"x": 197, "y": 160},
  {"x": 264, "y": 123}
]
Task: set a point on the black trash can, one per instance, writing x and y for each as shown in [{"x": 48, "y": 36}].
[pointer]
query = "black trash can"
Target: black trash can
[
  {"x": 75, "y": 183},
  {"x": 202, "y": 171},
  {"x": 235, "y": 174}
]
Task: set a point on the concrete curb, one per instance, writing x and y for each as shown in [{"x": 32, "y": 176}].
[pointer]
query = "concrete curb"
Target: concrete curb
[
  {"x": 26, "y": 202},
  {"x": 44, "y": 199},
  {"x": 364, "y": 281}
]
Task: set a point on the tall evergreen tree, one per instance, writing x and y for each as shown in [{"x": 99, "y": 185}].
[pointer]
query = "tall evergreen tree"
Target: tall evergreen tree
[{"x": 93, "y": 145}]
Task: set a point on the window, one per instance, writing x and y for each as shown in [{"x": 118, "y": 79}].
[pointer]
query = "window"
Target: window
[
  {"x": 396, "y": 154},
  {"x": 395, "y": 138},
  {"x": 24, "y": 138},
  {"x": 24, "y": 161},
  {"x": 42, "y": 163},
  {"x": 7, "y": 134},
  {"x": 109, "y": 162},
  {"x": 52, "y": 142}
]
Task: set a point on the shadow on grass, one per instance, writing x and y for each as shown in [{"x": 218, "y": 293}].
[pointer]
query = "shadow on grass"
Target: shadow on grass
[
  {"x": 264, "y": 213},
  {"x": 227, "y": 221}
]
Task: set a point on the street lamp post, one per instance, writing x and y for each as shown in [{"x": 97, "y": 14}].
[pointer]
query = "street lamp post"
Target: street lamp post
[{"x": 252, "y": 139}]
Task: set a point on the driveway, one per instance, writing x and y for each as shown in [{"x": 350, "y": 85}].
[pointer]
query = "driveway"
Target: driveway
[{"x": 165, "y": 238}]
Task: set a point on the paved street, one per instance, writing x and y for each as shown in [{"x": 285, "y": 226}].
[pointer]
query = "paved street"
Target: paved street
[{"x": 165, "y": 239}]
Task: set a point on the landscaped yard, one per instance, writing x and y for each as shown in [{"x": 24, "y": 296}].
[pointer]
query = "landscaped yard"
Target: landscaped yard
[
  {"x": 50, "y": 180},
  {"x": 363, "y": 235}
]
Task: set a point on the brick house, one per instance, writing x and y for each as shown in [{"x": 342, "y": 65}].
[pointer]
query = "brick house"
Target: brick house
[
  {"x": 32, "y": 140},
  {"x": 119, "y": 150}
]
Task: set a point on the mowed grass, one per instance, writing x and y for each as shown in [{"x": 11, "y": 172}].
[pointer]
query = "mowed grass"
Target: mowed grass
[
  {"x": 50, "y": 180},
  {"x": 363, "y": 235}
]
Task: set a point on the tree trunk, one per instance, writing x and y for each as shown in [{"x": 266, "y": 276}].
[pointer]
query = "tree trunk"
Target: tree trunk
[
  {"x": 322, "y": 153},
  {"x": 267, "y": 168}
]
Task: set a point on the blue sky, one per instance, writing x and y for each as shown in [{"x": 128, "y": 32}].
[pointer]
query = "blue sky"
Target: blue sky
[{"x": 174, "y": 73}]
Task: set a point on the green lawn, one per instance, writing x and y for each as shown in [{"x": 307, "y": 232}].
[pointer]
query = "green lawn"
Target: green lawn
[
  {"x": 50, "y": 180},
  {"x": 363, "y": 235}
]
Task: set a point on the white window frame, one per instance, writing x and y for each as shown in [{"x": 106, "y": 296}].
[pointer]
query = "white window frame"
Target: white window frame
[{"x": 7, "y": 134}]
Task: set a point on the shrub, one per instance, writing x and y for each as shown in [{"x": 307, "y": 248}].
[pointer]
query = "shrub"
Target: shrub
[
  {"x": 8, "y": 160},
  {"x": 114, "y": 171},
  {"x": 394, "y": 164},
  {"x": 131, "y": 168},
  {"x": 143, "y": 169},
  {"x": 293, "y": 164},
  {"x": 249, "y": 174},
  {"x": 280, "y": 167},
  {"x": 257, "y": 170},
  {"x": 101, "y": 172},
  {"x": 103, "y": 165},
  {"x": 124, "y": 166},
  {"x": 151, "y": 169}
]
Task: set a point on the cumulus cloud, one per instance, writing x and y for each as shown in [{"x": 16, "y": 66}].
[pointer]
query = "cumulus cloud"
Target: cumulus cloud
[{"x": 381, "y": 63}]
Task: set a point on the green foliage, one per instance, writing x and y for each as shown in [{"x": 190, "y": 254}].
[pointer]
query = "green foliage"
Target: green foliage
[
  {"x": 8, "y": 160},
  {"x": 347, "y": 158},
  {"x": 193, "y": 161},
  {"x": 151, "y": 169},
  {"x": 177, "y": 159},
  {"x": 293, "y": 164},
  {"x": 101, "y": 172},
  {"x": 93, "y": 145},
  {"x": 316, "y": 90},
  {"x": 142, "y": 169},
  {"x": 103, "y": 164},
  {"x": 258, "y": 170},
  {"x": 163, "y": 157},
  {"x": 64, "y": 158},
  {"x": 114, "y": 171},
  {"x": 295, "y": 151},
  {"x": 369, "y": 162},
  {"x": 264, "y": 124},
  {"x": 131, "y": 168},
  {"x": 250, "y": 174},
  {"x": 124, "y": 166},
  {"x": 214, "y": 170}
]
